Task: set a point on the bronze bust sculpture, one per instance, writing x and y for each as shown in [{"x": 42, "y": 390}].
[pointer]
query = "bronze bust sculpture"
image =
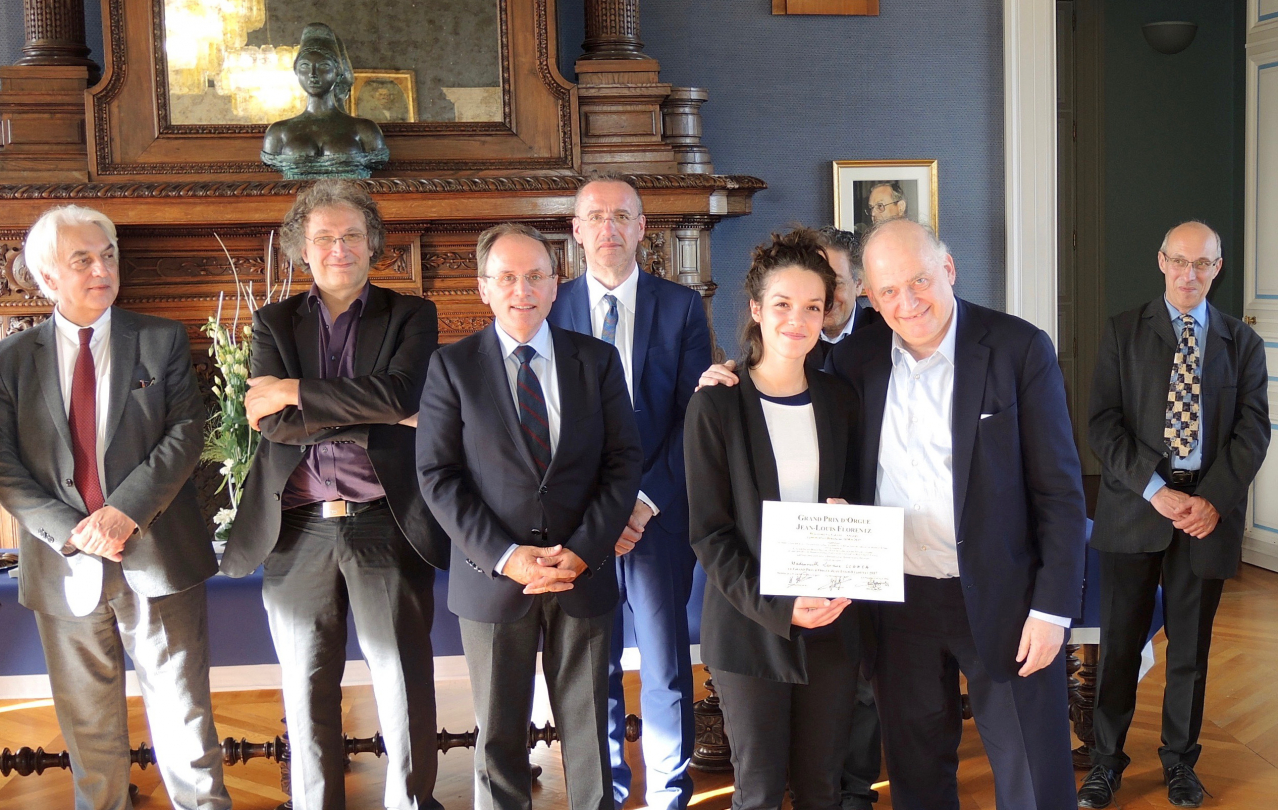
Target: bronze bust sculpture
[{"x": 323, "y": 140}]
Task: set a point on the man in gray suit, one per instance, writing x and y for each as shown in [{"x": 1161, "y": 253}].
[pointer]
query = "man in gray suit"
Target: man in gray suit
[{"x": 100, "y": 429}]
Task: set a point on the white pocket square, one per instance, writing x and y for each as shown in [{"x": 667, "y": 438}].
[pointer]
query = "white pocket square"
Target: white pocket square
[{"x": 986, "y": 415}]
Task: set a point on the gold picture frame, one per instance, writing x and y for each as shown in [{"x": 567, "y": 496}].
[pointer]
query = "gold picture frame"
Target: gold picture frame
[
  {"x": 910, "y": 185},
  {"x": 385, "y": 96}
]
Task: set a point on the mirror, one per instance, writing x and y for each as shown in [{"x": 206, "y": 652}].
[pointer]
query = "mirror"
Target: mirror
[{"x": 231, "y": 62}]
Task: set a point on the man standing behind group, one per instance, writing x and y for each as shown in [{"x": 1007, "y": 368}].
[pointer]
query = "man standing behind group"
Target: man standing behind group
[
  {"x": 661, "y": 333},
  {"x": 330, "y": 503},
  {"x": 101, "y": 425},
  {"x": 528, "y": 455},
  {"x": 1180, "y": 422},
  {"x": 842, "y": 250}
]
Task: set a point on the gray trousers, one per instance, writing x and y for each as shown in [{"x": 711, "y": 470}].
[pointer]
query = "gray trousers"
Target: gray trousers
[
  {"x": 168, "y": 640},
  {"x": 321, "y": 568},
  {"x": 503, "y": 662}
]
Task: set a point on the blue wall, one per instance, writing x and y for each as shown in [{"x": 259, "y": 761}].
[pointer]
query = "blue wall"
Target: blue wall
[{"x": 788, "y": 95}]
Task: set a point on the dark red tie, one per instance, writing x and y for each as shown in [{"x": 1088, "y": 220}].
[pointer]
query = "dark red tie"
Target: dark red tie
[{"x": 84, "y": 425}]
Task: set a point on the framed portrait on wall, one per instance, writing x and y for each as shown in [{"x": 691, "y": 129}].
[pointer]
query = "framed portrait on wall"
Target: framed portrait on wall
[
  {"x": 384, "y": 96},
  {"x": 870, "y": 191}
]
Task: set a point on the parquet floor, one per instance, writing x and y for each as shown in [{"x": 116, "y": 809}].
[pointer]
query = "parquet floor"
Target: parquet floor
[{"x": 1239, "y": 764}]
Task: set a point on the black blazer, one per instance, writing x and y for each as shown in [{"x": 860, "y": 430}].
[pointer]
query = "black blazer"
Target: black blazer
[
  {"x": 863, "y": 317},
  {"x": 481, "y": 482},
  {"x": 1128, "y": 412},
  {"x": 397, "y": 335},
  {"x": 731, "y": 472},
  {"x": 1019, "y": 515}
]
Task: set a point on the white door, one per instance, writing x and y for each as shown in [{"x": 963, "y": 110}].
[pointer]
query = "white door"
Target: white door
[{"x": 1260, "y": 258}]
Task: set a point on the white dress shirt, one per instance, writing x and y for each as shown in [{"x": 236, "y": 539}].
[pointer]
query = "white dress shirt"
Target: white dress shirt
[
  {"x": 626, "y": 293},
  {"x": 543, "y": 365},
  {"x": 1193, "y": 461},
  {"x": 792, "y": 431},
  {"x": 845, "y": 331},
  {"x": 916, "y": 458},
  {"x": 68, "y": 344}
]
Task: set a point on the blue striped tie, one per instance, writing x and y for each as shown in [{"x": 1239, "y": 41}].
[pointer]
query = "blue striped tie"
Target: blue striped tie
[
  {"x": 609, "y": 333},
  {"x": 532, "y": 409}
]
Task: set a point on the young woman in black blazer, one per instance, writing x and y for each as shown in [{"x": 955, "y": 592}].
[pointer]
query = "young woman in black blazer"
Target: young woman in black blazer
[{"x": 784, "y": 667}]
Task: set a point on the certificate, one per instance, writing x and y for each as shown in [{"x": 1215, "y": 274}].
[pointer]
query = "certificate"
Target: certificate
[{"x": 833, "y": 550}]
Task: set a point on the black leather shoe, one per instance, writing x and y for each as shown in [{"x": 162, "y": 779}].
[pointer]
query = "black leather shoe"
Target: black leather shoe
[
  {"x": 1098, "y": 788},
  {"x": 1183, "y": 787}
]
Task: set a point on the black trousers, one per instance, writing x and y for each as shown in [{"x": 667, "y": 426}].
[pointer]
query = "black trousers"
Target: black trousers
[
  {"x": 924, "y": 643},
  {"x": 777, "y": 728},
  {"x": 864, "y": 762},
  {"x": 1128, "y": 583}
]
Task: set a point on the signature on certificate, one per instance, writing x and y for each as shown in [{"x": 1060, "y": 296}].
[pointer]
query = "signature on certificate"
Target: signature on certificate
[{"x": 875, "y": 583}]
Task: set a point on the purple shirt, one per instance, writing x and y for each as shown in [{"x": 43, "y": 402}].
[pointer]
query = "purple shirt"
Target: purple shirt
[{"x": 334, "y": 470}]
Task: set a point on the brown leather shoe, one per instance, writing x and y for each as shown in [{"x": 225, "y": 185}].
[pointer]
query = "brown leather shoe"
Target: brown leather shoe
[{"x": 1098, "y": 788}]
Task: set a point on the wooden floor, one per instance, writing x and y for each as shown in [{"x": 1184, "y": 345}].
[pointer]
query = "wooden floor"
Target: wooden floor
[{"x": 1239, "y": 764}]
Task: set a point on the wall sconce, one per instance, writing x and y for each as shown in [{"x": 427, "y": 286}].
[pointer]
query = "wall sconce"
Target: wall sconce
[{"x": 1169, "y": 37}]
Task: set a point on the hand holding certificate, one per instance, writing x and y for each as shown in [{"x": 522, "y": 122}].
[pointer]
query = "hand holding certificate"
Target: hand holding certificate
[{"x": 833, "y": 550}]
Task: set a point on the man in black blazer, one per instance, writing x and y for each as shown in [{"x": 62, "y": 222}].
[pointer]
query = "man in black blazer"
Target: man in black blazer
[
  {"x": 1180, "y": 422},
  {"x": 842, "y": 250},
  {"x": 529, "y": 456},
  {"x": 330, "y": 504},
  {"x": 964, "y": 424}
]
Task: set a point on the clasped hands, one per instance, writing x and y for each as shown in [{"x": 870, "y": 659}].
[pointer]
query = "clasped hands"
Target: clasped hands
[
  {"x": 104, "y": 533},
  {"x": 543, "y": 570},
  {"x": 1193, "y": 515}
]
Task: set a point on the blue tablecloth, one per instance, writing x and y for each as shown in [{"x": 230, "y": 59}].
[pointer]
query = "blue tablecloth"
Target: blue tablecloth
[{"x": 238, "y": 632}]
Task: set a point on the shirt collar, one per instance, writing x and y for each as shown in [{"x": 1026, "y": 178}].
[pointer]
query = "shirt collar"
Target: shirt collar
[
  {"x": 1199, "y": 312},
  {"x": 626, "y": 292},
  {"x": 72, "y": 332},
  {"x": 541, "y": 342},
  {"x": 313, "y": 298},
  {"x": 900, "y": 354}
]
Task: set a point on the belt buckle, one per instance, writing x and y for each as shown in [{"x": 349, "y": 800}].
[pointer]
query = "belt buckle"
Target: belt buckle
[
  {"x": 1182, "y": 477},
  {"x": 333, "y": 509}
]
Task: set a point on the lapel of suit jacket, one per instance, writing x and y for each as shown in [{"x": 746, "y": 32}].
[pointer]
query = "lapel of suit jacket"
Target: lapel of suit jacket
[
  {"x": 876, "y": 377},
  {"x": 124, "y": 358},
  {"x": 645, "y": 308},
  {"x": 831, "y": 456},
  {"x": 372, "y": 330},
  {"x": 46, "y": 366},
  {"x": 971, "y": 358},
  {"x": 493, "y": 369},
  {"x": 761, "y": 457},
  {"x": 579, "y": 306},
  {"x": 571, "y": 374},
  {"x": 1216, "y": 373},
  {"x": 1156, "y": 314},
  {"x": 306, "y": 326}
]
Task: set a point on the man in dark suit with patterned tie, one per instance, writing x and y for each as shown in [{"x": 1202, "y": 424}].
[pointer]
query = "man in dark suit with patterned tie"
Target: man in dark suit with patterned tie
[
  {"x": 1180, "y": 422},
  {"x": 528, "y": 455},
  {"x": 101, "y": 425}
]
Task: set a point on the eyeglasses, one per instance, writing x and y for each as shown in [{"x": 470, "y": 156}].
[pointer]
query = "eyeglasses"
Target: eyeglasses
[
  {"x": 620, "y": 218},
  {"x": 879, "y": 208},
  {"x": 352, "y": 240},
  {"x": 511, "y": 279},
  {"x": 1182, "y": 264}
]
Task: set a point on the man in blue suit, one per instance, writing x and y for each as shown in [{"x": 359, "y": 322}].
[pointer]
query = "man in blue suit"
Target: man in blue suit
[
  {"x": 661, "y": 333},
  {"x": 965, "y": 426}
]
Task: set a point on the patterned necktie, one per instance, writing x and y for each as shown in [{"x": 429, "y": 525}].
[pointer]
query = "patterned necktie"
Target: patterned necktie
[
  {"x": 83, "y": 420},
  {"x": 1183, "y": 393},
  {"x": 609, "y": 333},
  {"x": 532, "y": 409}
]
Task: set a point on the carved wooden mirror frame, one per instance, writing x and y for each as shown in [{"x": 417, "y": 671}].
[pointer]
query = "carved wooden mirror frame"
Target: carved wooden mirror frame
[{"x": 130, "y": 137}]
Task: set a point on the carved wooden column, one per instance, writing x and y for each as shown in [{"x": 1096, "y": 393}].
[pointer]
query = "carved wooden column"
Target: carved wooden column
[
  {"x": 619, "y": 94},
  {"x": 612, "y": 30},
  {"x": 55, "y": 34},
  {"x": 42, "y": 120}
]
